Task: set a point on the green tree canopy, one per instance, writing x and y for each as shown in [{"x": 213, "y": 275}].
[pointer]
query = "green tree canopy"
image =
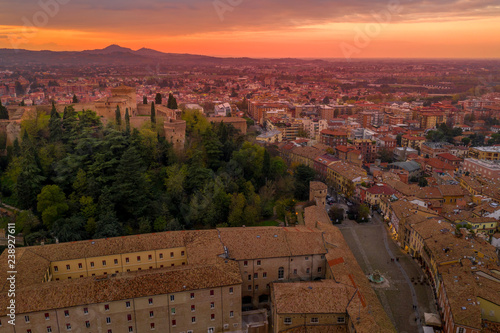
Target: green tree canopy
[{"x": 51, "y": 203}]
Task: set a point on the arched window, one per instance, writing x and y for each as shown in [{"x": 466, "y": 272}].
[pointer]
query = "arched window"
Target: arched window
[{"x": 281, "y": 273}]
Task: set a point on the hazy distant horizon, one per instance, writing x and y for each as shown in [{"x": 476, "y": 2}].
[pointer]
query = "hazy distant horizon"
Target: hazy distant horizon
[{"x": 277, "y": 58}]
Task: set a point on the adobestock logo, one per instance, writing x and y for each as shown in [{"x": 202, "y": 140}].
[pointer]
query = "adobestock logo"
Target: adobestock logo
[
  {"x": 364, "y": 35},
  {"x": 48, "y": 9},
  {"x": 223, "y": 6}
]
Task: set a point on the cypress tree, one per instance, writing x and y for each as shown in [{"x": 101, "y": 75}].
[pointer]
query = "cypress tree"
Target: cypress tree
[
  {"x": 144, "y": 100},
  {"x": 75, "y": 100},
  {"x": 158, "y": 99},
  {"x": 118, "y": 116},
  {"x": 172, "y": 102},
  {"x": 153, "y": 113},
  {"x": 127, "y": 121}
]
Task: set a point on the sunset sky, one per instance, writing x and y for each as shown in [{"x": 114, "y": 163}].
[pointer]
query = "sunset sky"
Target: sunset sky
[{"x": 257, "y": 28}]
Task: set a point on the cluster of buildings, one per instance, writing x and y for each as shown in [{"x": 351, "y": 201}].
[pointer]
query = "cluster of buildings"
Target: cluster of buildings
[{"x": 286, "y": 279}]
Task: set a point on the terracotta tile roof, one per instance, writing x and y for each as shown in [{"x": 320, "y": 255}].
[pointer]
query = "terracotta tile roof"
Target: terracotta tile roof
[
  {"x": 449, "y": 157},
  {"x": 325, "y": 296},
  {"x": 271, "y": 242},
  {"x": 136, "y": 243},
  {"x": 90, "y": 290},
  {"x": 451, "y": 190},
  {"x": 438, "y": 164}
]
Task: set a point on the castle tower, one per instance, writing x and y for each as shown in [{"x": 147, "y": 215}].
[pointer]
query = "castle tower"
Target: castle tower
[{"x": 317, "y": 193}]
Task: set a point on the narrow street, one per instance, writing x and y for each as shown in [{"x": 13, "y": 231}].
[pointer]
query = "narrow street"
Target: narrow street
[{"x": 374, "y": 248}]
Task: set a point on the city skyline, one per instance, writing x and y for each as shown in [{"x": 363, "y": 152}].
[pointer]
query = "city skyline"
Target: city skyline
[{"x": 236, "y": 28}]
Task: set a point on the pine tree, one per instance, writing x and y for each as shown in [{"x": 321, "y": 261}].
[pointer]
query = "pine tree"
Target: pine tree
[
  {"x": 118, "y": 116},
  {"x": 4, "y": 114},
  {"x": 172, "y": 102},
  {"x": 127, "y": 121},
  {"x": 153, "y": 113},
  {"x": 75, "y": 100}
]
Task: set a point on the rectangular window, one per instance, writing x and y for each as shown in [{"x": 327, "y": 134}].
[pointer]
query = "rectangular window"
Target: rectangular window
[
  {"x": 85, "y": 310},
  {"x": 212, "y": 292},
  {"x": 152, "y": 326},
  {"x": 47, "y": 316},
  {"x": 193, "y": 308},
  {"x": 171, "y": 254},
  {"x": 28, "y": 331},
  {"x": 161, "y": 255},
  {"x": 104, "y": 262},
  {"x": 174, "y": 322},
  {"x": 308, "y": 270},
  {"x": 138, "y": 258},
  {"x": 151, "y": 314},
  {"x": 127, "y": 304},
  {"x": 192, "y": 295},
  {"x": 295, "y": 271},
  {"x": 106, "y": 307},
  {"x": 68, "y": 267},
  {"x": 127, "y": 260},
  {"x": 129, "y": 317},
  {"x": 66, "y": 313},
  {"x": 319, "y": 269},
  {"x": 182, "y": 253},
  {"x": 150, "y": 301},
  {"x": 255, "y": 275},
  {"x": 288, "y": 321},
  {"x": 56, "y": 269},
  {"x": 130, "y": 329},
  {"x": 249, "y": 288},
  {"x": 249, "y": 277},
  {"x": 108, "y": 320},
  {"x": 460, "y": 330},
  {"x": 307, "y": 258},
  {"x": 231, "y": 314},
  {"x": 314, "y": 320},
  {"x": 27, "y": 319},
  {"x": 116, "y": 261},
  {"x": 212, "y": 305},
  {"x": 150, "y": 257},
  {"x": 49, "y": 329},
  {"x": 68, "y": 327},
  {"x": 264, "y": 275},
  {"x": 245, "y": 263},
  {"x": 87, "y": 324},
  {"x": 212, "y": 316},
  {"x": 231, "y": 290},
  {"x": 258, "y": 262},
  {"x": 80, "y": 266},
  {"x": 256, "y": 287},
  {"x": 340, "y": 320},
  {"x": 172, "y": 298},
  {"x": 193, "y": 320},
  {"x": 110, "y": 331}
]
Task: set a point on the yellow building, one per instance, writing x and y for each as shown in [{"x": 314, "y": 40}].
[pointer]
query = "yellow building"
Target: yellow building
[
  {"x": 485, "y": 153},
  {"x": 485, "y": 225},
  {"x": 345, "y": 176}
]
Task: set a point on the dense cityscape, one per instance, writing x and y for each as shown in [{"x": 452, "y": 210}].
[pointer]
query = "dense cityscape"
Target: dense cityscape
[{"x": 142, "y": 190}]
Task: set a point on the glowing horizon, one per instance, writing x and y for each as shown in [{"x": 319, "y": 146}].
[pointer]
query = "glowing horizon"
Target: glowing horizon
[{"x": 357, "y": 29}]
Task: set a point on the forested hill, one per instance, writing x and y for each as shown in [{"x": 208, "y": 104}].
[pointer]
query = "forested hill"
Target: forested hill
[{"x": 77, "y": 179}]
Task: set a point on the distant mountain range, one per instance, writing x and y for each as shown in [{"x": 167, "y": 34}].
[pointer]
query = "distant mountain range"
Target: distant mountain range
[{"x": 122, "y": 56}]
